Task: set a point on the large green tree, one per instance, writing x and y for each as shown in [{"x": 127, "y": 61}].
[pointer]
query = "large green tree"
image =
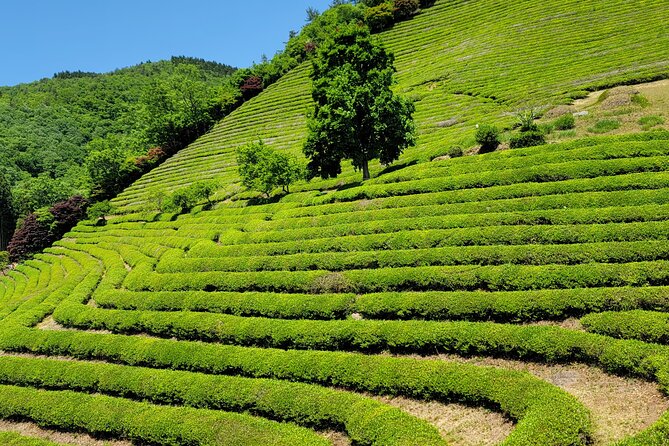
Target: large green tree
[
  {"x": 357, "y": 115},
  {"x": 7, "y": 215}
]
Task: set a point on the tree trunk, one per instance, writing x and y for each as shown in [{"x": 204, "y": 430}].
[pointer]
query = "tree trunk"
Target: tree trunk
[{"x": 365, "y": 170}]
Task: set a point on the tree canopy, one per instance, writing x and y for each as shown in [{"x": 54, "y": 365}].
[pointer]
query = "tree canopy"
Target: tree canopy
[
  {"x": 357, "y": 115},
  {"x": 7, "y": 215},
  {"x": 264, "y": 169}
]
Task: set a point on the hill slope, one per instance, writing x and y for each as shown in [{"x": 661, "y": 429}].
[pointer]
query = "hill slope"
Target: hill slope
[
  {"x": 216, "y": 327},
  {"x": 462, "y": 62}
]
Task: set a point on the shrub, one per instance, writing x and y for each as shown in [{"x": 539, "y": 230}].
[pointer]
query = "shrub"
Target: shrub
[
  {"x": 487, "y": 136},
  {"x": 455, "y": 152},
  {"x": 527, "y": 139},
  {"x": 525, "y": 120},
  {"x": 183, "y": 200},
  {"x": 67, "y": 214},
  {"x": 379, "y": 17},
  {"x": 32, "y": 236},
  {"x": 405, "y": 8},
  {"x": 565, "y": 122}
]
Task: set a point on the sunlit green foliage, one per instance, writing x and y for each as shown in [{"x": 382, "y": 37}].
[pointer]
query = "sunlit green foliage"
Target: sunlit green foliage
[{"x": 357, "y": 115}]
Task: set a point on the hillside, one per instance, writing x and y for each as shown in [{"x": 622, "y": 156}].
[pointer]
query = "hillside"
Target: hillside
[
  {"x": 463, "y": 65},
  {"x": 519, "y": 297}
]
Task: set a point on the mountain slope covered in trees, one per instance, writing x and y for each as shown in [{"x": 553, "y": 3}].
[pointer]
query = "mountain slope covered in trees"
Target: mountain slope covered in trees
[{"x": 49, "y": 127}]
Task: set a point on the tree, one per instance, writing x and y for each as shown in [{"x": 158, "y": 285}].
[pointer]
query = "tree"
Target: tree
[
  {"x": 312, "y": 14},
  {"x": 110, "y": 170},
  {"x": 99, "y": 211},
  {"x": 357, "y": 116},
  {"x": 176, "y": 110},
  {"x": 38, "y": 192},
  {"x": 184, "y": 199},
  {"x": 264, "y": 169},
  {"x": 67, "y": 214},
  {"x": 32, "y": 236},
  {"x": 7, "y": 214}
]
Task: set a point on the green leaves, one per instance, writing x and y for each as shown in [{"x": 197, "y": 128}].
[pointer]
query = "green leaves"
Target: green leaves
[
  {"x": 357, "y": 116},
  {"x": 264, "y": 169}
]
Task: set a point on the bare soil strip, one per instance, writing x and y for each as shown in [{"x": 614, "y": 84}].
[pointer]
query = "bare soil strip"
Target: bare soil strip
[{"x": 65, "y": 438}]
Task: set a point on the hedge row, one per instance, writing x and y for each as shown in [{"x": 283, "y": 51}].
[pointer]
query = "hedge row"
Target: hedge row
[
  {"x": 509, "y": 306},
  {"x": 146, "y": 423},
  {"x": 273, "y": 305},
  {"x": 353, "y": 335},
  {"x": 657, "y": 435},
  {"x": 648, "y": 188},
  {"x": 610, "y": 252},
  {"x": 431, "y": 217},
  {"x": 430, "y": 305},
  {"x": 648, "y": 326},
  {"x": 535, "y": 174},
  {"x": 15, "y": 439},
  {"x": 365, "y": 420},
  {"x": 425, "y": 278},
  {"x": 546, "y": 415},
  {"x": 554, "y": 157}
]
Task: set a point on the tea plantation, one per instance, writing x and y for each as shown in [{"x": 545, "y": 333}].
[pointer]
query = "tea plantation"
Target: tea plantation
[{"x": 270, "y": 322}]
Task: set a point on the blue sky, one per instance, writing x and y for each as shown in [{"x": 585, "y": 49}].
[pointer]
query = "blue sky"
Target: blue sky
[{"x": 42, "y": 37}]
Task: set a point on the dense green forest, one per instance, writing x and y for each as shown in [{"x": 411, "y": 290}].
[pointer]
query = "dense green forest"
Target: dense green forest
[{"x": 48, "y": 128}]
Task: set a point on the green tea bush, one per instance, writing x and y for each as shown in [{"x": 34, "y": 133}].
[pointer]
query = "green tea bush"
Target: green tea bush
[
  {"x": 509, "y": 306},
  {"x": 527, "y": 139},
  {"x": 146, "y": 423},
  {"x": 487, "y": 136},
  {"x": 648, "y": 326},
  {"x": 15, "y": 439}
]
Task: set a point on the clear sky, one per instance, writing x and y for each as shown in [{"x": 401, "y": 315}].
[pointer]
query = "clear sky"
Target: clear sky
[{"x": 41, "y": 37}]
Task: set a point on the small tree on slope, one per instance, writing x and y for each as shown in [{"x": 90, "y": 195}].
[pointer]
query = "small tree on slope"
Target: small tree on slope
[{"x": 357, "y": 116}]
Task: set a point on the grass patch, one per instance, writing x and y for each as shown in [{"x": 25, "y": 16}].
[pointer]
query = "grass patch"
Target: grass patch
[
  {"x": 640, "y": 100},
  {"x": 648, "y": 122},
  {"x": 605, "y": 126}
]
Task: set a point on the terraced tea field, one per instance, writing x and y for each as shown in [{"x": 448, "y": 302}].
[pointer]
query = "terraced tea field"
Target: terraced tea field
[
  {"x": 222, "y": 323},
  {"x": 525, "y": 292}
]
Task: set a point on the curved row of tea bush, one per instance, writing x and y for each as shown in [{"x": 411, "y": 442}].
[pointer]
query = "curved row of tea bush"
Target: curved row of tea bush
[
  {"x": 16, "y": 439},
  {"x": 146, "y": 423},
  {"x": 365, "y": 420},
  {"x": 545, "y": 414},
  {"x": 434, "y": 238},
  {"x": 648, "y": 326},
  {"x": 552, "y": 173},
  {"x": 533, "y": 157}
]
